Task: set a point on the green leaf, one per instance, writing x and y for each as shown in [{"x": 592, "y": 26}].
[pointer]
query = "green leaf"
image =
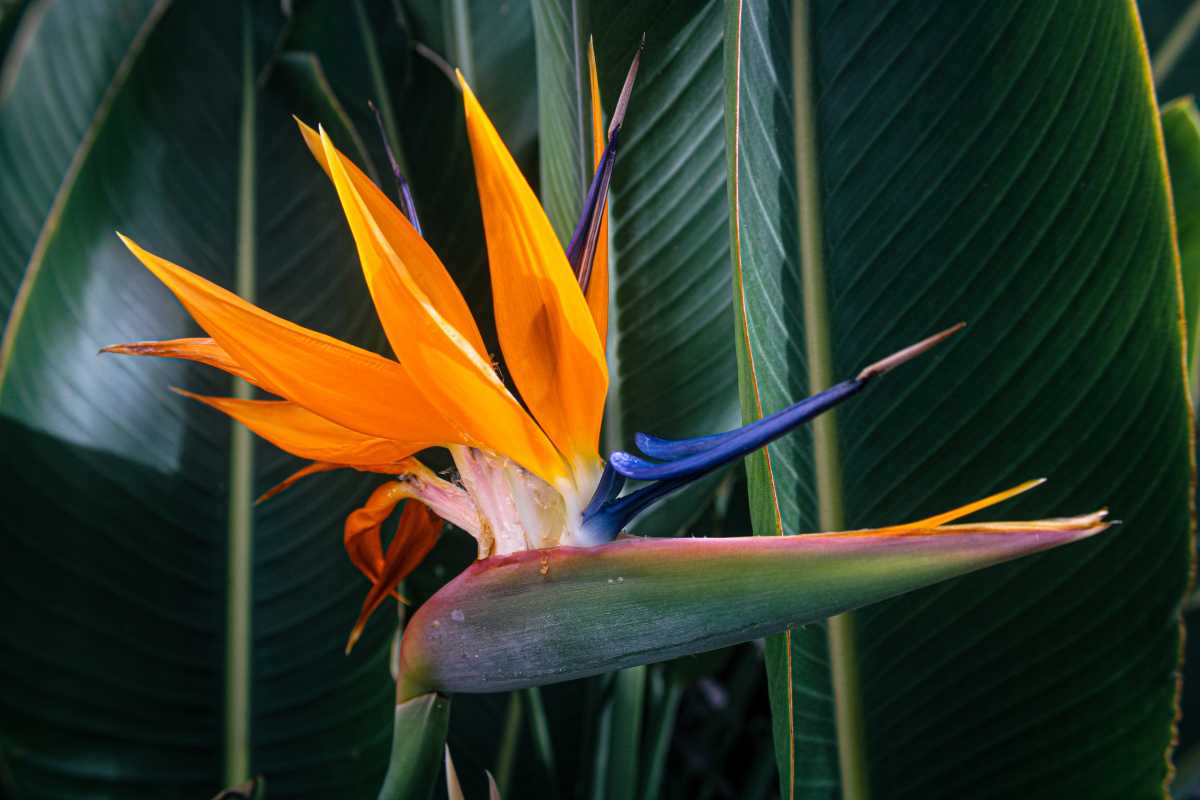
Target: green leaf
[
  {"x": 1181, "y": 134},
  {"x": 118, "y": 515},
  {"x": 564, "y": 110},
  {"x": 417, "y": 746},
  {"x": 895, "y": 168},
  {"x": 42, "y": 134},
  {"x": 672, "y": 367}
]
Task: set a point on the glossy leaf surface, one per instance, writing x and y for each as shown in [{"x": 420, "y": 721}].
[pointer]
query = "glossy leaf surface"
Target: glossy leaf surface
[
  {"x": 895, "y": 168},
  {"x": 117, "y": 512}
]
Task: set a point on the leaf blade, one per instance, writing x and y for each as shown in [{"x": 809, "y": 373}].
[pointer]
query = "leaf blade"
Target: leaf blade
[{"x": 906, "y": 158}]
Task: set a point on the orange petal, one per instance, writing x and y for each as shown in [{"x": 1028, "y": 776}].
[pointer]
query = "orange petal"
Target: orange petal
[
  {"x": 460, "y": 380},
  {"x": 417, "y": 534},
  {"x": 315, "y": 468},
  {"x": 970, "y": 508},
  {"x": 360, "y": 533},
  {"x": 201, "y": 350},
  {"x": 302, "y": 433},
  {"x": 597, "y": 290},
  {"x": 343, "y": 383},
  {"x": 421, "y": 262},
  {"x": 546, "y": 330}
]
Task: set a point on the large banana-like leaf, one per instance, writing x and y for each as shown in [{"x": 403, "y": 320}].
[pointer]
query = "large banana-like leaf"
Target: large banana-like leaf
[
  {"x": 42, "y": 130},
  {"x": 128, "y": 669},
  {"x": 1173, "y": 37},
  {"x": 1181, "y": 136},
  {"x": 672, "y": 362},
  {"x": 895, "y": 167}
]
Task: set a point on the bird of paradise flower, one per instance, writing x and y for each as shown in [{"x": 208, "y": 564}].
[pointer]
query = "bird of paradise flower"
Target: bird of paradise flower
[{"x": 555, "y": 594}]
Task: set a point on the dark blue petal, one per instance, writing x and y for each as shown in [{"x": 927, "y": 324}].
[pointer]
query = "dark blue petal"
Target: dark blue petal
[
  {"x": 407, "y": 205},
  {"x": 737, "y": 443},
  {"x": 587, "y": 230},
  {"x": 684, "y": 460},
  {"x": 609, "y": 487},
  {"x": 671, "y": 449},
  {"x": 602, "y": 524},
  {"x": 581, "y": 250}
]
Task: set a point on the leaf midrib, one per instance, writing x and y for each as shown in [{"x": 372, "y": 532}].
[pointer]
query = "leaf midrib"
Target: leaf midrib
[
  {"x": 843, "y": 655},
  {"x": 239, "y": 597}
]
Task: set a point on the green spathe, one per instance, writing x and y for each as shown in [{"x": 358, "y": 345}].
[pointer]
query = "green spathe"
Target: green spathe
[{"x": 552, "y": 615}]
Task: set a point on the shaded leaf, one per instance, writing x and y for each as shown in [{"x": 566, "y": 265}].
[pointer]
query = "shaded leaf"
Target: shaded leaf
[
  {"x": 117, "y": 503},
  {"x": 936, "y": 162}
]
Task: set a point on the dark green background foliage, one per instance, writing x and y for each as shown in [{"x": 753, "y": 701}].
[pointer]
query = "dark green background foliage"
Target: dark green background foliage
[
  {"x": 995, "y": 163},
  {"x": 801, "y": 189}
]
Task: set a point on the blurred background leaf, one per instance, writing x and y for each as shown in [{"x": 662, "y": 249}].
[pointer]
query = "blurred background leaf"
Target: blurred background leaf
[
  {"x": 899, "y": 167},
  {"x": 1173, "y": 37}
]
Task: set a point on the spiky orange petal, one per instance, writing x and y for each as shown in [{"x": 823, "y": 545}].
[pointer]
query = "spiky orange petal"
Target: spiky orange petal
[
  {"x": 345, "y": 384},
  {"x": 302, "y": 433},
  {"x": 461, "y": 382},
  {"x": 938, "y": 520},
  {"x": 202, "y": 350},
  {"x": 546, "y": 330},
  {"x": 422, "y": 264}
]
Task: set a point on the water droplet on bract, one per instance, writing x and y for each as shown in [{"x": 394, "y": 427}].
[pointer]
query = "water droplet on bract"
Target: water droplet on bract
[{"x": 457, "y": 615}]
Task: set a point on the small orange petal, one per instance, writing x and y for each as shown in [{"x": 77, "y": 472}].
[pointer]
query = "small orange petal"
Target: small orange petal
[
  {"x": 201, "y": 350},
  {"x": 343, "y": 383},
  {"x": 315, "y": 468},
  {"x": 970, "y": 508},
  {"x": 292, "y": 427},
  {"x": 458, "y": 379},
  {"x": 416, "y": 535},
  {"x": 597, "y": 290},
  {"x": 546, "y": 330},
  {"x": 361, "y": 530}
]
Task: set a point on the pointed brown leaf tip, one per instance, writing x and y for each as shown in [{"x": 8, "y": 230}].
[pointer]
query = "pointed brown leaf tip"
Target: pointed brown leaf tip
[
  {"x": 618, "y": 116},
  {"x": 908, "y": 353}
]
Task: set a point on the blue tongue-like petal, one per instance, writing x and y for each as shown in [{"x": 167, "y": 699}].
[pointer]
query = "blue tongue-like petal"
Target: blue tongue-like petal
[
  {"x": 684, "y": 460},
  {"x": 690, "y": 458}
]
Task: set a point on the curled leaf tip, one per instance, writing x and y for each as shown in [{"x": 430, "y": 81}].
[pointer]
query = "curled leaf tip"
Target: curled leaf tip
[{"x": 908, "y": 354}]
